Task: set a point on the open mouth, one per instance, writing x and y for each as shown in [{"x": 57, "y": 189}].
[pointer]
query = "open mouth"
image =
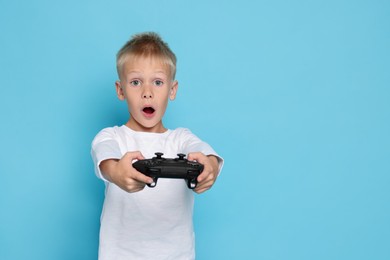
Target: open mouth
[{"x": 148, "y": 110}]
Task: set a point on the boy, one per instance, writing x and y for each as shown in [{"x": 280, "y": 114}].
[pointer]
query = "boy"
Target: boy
[{"x": 139, "y": 222}]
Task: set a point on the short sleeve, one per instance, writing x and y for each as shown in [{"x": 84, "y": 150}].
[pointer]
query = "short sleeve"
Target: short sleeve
[{"x": 104, "y": 146}]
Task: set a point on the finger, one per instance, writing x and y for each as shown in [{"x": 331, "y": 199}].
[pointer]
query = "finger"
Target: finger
[
  {"x": 197, "y": 156},
  {"x": 134, "y": 186},
  {"x": 207, "y": 173},
  {"x": 203, "y": 176},
  {"x": 200, "y": 158},
  {"x": 201, "y": 189},
  {"x": 140, "y": 177},
  {"x": 139, "y": 156},
  {"x": 136, "y": 155},
  {"x": 207, "y": 182}
]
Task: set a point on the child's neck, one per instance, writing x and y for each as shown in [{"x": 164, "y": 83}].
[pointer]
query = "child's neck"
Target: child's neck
[{"x": 159, "y": 128}]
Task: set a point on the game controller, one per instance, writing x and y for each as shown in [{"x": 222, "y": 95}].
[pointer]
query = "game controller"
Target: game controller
[{"x": 178, "y": 168}]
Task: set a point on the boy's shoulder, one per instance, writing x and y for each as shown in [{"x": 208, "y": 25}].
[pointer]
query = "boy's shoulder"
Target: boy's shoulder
[
  {"x": 181, "y": 130},
  {"x": 109, "y": 130},
  {"x": 106, "y": 134}
]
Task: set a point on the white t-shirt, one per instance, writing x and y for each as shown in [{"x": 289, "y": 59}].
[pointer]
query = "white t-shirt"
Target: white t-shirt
[{"x": 155, "y": 223}]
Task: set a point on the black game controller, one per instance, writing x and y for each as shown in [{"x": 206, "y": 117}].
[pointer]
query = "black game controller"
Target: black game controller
[{"x": 178, "y": 168}]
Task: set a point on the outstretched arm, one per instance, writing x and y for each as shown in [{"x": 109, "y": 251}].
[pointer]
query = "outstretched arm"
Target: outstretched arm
[{"x": 122, "y": 173}]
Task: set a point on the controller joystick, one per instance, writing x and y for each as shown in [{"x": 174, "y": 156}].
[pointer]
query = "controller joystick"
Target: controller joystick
[
  {"x": 178, "y": 168},
  {"x": 158, "y": 155},
  {"x": 181, "y": 156}
]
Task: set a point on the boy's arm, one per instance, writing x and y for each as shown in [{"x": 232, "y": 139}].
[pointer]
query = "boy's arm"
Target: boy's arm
[
  {"x": 112, "y": 166},
  {"x": 210, "y": 172},
  {"x": 122, "y": 173}
]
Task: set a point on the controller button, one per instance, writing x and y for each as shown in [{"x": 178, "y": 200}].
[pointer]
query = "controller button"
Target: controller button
[
  {"x": 181, "y": 156},
  {"x": 159, "y": 155}
]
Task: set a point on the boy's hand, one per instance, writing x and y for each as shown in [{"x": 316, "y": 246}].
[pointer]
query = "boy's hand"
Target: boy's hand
[
  {"x": 210, "y": 172},
  {"x": 122, "y": 173}
]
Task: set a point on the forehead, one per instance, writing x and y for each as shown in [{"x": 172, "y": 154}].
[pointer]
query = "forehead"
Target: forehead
[{"x": 141, "y": 63}]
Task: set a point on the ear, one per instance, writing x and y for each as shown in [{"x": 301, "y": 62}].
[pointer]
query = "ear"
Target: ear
[
  {"x": 119, "y": 90},
  {"x": 173, "y": 90}
]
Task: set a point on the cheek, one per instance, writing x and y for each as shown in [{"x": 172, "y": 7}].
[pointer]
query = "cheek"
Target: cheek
[
  {"x": 164, "y": 103},
  {"x": 131, "y": 101}
]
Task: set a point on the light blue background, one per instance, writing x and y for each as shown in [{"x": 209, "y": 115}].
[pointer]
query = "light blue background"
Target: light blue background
[{"x": 293, "y": 94}]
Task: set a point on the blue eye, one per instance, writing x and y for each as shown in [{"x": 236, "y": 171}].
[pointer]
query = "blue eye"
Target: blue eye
[
  {"x": 158, "y": 83},
  {"x": 135, "y": 83}
]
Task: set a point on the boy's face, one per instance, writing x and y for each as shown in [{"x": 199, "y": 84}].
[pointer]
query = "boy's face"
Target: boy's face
[{"x": 146, "y": 84}]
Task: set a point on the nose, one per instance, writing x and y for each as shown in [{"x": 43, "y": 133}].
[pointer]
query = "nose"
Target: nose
[{"x": 147, "y": 93}]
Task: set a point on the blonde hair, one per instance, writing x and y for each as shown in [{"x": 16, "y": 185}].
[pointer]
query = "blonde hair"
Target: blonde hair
[{"x": 148, "y": 44}]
